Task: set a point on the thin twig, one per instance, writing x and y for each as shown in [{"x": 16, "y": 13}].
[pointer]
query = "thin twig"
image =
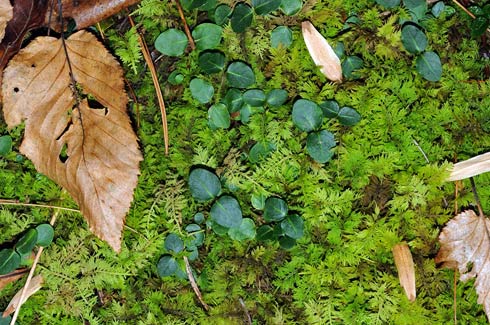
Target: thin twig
[
  {"x": 477, "y": 198},
  {"x": 193, "y": 283},
  {"x": 242, "y": 303},
  {"x": 186, "y": 27},
  {"x": 154, "y": 76},
  {"x": 420, "y": 149},
  {"x": 31, "y": 274},
  {"x": 17, "y": 203}
]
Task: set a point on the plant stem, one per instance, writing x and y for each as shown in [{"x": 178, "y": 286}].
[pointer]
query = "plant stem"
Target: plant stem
[
  {"x": 186, "y": 27},
  {"x": 17, "y": 203},
  {"x": 194, "y": 284}
]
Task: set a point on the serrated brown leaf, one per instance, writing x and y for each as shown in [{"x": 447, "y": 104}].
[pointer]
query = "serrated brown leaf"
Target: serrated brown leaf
[
  {"x": 466, "y": 240},
  {"x": 34, "y": 286},
  {"x": 406, "y": 271},
  {"x": 6, "y": 13},
  {"x": 101, "y": 168},
  {"x": 471, "y": 167}
]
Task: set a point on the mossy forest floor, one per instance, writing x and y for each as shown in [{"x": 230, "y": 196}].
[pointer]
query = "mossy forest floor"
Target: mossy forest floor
[{"x": 376, "y": 191}]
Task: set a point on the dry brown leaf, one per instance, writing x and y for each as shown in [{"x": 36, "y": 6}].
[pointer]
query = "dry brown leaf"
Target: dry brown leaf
[
  {"x": 34, "y": 286},
  {"x": 321, "y": 52},
  {"x": 471, "y": 167},
  {"x": 405, "y": 268},
  {"x": 466, "y": 240},
  {"x": 12, "y": 277},
  {"x": 102, "y": 166},
  {"x": 6, "y": 14}
]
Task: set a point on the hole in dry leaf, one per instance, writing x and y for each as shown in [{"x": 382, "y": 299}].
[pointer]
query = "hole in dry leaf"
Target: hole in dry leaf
[
  {"x": 94, "y": 104},
  {"x": 16, "y": 89},
  {"x": 33, "y": 65},
  {"x": 63, "y": 156}
]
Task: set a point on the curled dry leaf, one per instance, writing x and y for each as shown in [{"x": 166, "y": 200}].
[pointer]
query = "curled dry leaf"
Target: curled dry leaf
[
  {"x": 321, "y": 52},
  {"x": 471, "y": 167},
  {"x": 34, "y": 286},
  {"x": 100, "y": 169},
  {"x": 466, "y": 241},
  {"x": 405, "y": 268},
  {"x": 6, "y": 14}
]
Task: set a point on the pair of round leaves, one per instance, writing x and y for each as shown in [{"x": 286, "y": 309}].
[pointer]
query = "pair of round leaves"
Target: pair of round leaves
[
  {"x": 292, "y": 226},
  {"x": 346, "y": 115},
  {"x": 168, "y": 266}
]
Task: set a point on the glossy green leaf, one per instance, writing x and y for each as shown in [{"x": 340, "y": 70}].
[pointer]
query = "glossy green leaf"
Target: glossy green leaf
[
  {"x": 286, "y": 242},
  {"x": 478, "y": 26},
  {"x": 429, "y": 66},
  {"x": 245, "y": 231},
  {"x": 388, "y": 3},
  {"x": 203, "y": 184},
  {"x": 307, "y": 115},
  {"x": 293, "y": 226},
  {"x": 258, "y": 201},
  {"x": 171, "y": 42},
  {"x": 207, "y": 36},
  {"x": 438, "y": 9},
  {"x": 45, "y": 234},
  {"x": 222, "y": 14},
  {"x": 254, "y": 97},
  {"x": 350, "y": 65},
  {"x": 277, "y": 97},
  {"x": 193, "y": 4},
  {"x": 241, "y": 17},
  {"x": 291, "y": 7},
  {"x": 5, "y": 145},
  {"x": 9, "y": 260},
  {"x": 167, "y": 266},
  {"x": 6, "y": 320},
  {"x": 413, "y": 39},
  {"x": 264, "y": 7},
  {"x": 219, "y": 117},
  {"x": 275, "y": 209},
  {"x": 193, "y": 255},
  {"x": 319, "y": 145},
  {"x": 211, "y": 61},
  {"x": 330, "y": 108},
  {"x": 196, "y": 235},
  {"x": 348, "y": 116},
  {"x": 199, "y": 218},
  {"x": 260, "y": 150},
  {"x": 264, "y": 233},
  {"x": 245, "y": 113},
  {"x": 226, "y": 212},
  {"x": 201, "y": 90},
  {"x": 418, "y": 8},
  {"x": 173, "y": 243},
  {"x": 281, "y": 36},
  {"x": 175, "y": 78},
  {"x": 27, "y": 242},
  {"x": 240, "y": 75},
  {"x": 219, "y": 230}
]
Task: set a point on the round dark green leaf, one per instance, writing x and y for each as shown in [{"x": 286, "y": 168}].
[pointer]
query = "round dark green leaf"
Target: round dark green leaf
[
  {"x": 348, "y": 116},
  {"x": 438, "y": 9},
  {"x": 201, "y": 90},
  {"x": 199, "y": 218},
  {"x": 203, "y": 184},
  {"x": 293, "y": 226},
  {"x": 277, "y": 97},
  {"x": 254, "y": 97},
  {"x": 291, "y": 7},
  {"x": 388, "y": 3},
  {"x": 413, "y": 39},
  {"x": 264, "y": 7},
  {"x": 226, "y": 212},
  {"x": 173, "y": 243},
  {"x": 307, "y": 115},
  {"x": 193, "y": 255},
  {"x": 175, "y": 78},
  {"x": 241, "y": 17},
  {"x": 5, "y": 145},
  {"x": 193, "y": 4},
  {"x": 218, "y": 116},
  {"x": 478, "y": 26},
  {"x": 245, "y": 231},
  {"x": 429, "y": 66},
  {"x": 211, "y": 61},
  {"x": 9, "y": 260},
  {"x": 222, "y": 14},
  {"x": 330, "y": 108},
  {"x": 417, "y": 8},
  {"x": 207, "y": 36},
  {"x": 234, "y": 100},
  {"x": 245, "y": 113},
  {"x": 6, "y": 320},
  {"x": 277, "y": 231},
  {"x": 281, "y": 36},
  {"x": 240, "y": 75},
  {"x": 275, "y": 209},
  {"x": 287, "y": 242},
  {"x": 319, "y": 145},
  {"x": 45, "y": 234},
  {"x": 260, "y": 150},
  {"x": 27, "y": 242},
  {"x": 264, "y": 233},
  {"x": 350, "y": 65},
  {"x": 258, "y": 201},
  {"x": 171, "y": 42},
  {"x": 167, "y": 266},
  {"x": 219, "y": 230},
  {"x": 196, "y": 236}
]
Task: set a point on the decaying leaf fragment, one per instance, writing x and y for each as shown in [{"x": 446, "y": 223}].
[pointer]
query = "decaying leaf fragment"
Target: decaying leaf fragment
[
  {"x": 321, "y": 52},
  {"x": 34, "y": 286},
  {"x": 100, "y": 168},
  {"x": 465, "y": 240},
  {"x": 6, "y": 14},
  {"x": 405, "y": 268},
  {"x": 471, "y": 167},
  {"x": 12, "y": 277}
]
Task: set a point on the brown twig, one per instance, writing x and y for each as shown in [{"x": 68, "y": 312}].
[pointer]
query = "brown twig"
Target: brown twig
[
  {"x": 193, "y": 283},
  {"x": 17, "y": 203},
  {"x": 242, "y": 303},
  {"x": 154, "y": 76},
  {"x": 186, "y": 27}
]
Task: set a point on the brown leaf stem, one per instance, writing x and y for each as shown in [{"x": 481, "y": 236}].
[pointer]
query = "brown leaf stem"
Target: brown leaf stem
[
  {"x": 154, "y": 76},
  {"x": 17, "y": 203},
  {"x": 186, "y": 27},
  {"x": 194, "y": 284}
]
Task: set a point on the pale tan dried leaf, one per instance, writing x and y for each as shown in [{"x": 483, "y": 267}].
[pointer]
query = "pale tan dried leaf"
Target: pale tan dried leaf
[
  {"x": 465, "y": 240},
  {"x": 12, "y": 277},
  {"x": 405, "y": 268},
  {"x": 321, "y": 52},
  {"x": 471, "y": 167},
  {"x": 102, "y": 166},
  {"x": 6, "y": 14},
  {"x": 34, "y": 286}
]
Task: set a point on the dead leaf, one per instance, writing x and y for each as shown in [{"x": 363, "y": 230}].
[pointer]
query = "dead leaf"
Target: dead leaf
[
  {"x": 6, "y": 13},
  {"x": 34, "y": 286},
  {"x": 405, "y": 268},
  {"x": 321, "y": 52},
  {"x": 12, "y": 277},
  {"x": 466, "y": 240},
  {"x": 101, "y": 168},
  {"x": 471, "y": 167}
]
